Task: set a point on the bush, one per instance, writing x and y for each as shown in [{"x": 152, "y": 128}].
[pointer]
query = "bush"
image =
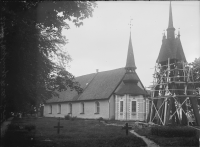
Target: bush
[
  {"x": 67, "y": 117},
  {"x": 166, "y": 131},
  {"x": 100, "y": 119},
  {"x": 73, "y": 118}
]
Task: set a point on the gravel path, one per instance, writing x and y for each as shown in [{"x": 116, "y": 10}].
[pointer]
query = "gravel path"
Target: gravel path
[{"x": 146, "y": 140}]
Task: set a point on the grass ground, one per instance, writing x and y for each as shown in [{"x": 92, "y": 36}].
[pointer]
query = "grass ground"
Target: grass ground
[
  {"x": 77, "y": 133},
  {"x": 168, "y": 141}
]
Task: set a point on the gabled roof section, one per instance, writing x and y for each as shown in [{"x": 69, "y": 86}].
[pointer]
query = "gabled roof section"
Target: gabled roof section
[
  {"x": 96, "y": 86},
  {"x": 103, "y": 85},
  {"x": 130, "y": 61},
  {"x": 132, "y": 89},
  {"x": 130, "y": 85},
  {"x": 130, "y": 77},
  {"x": 69, "y": 95}
]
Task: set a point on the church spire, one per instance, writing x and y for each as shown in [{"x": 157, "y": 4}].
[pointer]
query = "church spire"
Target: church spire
[
  {"x": 170, "y": 25},
  {"x": 170, "y": 29},
  {"x": 130, "y": 62}
]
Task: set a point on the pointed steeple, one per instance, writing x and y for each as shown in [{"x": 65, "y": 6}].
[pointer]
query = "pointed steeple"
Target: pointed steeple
[
  {"x": 170, "y": 29},
  {"x": 170, "y": 25},
  {"x": 130, "y": 61}
]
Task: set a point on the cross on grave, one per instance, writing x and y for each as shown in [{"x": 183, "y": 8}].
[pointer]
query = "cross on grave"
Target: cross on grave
[
  {"x": 58, "y": 126},
  {"x": 126, "y": 127}
]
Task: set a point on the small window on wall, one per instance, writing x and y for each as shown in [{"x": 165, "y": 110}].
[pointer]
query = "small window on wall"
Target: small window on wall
[
  {"x": 121, "y": 106},
  {"x": 82, "y": 108},
  {"x": 59, "y": 108},
  {"x": 134, "y": 107},
  {"x": 50, "y": 109},
  {"x": 70, "y": 108},
  {"x": 97, "y": 105}
]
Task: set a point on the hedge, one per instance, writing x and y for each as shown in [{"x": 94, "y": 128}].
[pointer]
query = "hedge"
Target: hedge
[{"x": 178, "y": 131}]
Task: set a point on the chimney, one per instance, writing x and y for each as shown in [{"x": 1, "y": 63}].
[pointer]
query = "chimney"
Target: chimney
[{"x": 97, "y": 70}]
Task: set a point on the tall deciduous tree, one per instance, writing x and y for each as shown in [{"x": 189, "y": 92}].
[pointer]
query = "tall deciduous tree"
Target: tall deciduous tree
[
  {"x": 33, "y": 40},
  {"x": 196, "y": 73}
]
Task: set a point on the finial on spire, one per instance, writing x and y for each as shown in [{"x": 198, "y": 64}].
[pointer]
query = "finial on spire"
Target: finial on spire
[
  {"x": 130, "y": 24},
  {"x": 179, "y": 33},
  {"x": 164, "y": 37}
]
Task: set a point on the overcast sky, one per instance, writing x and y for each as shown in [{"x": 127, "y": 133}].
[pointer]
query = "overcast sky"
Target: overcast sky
[{"x": 102, "y": 42}]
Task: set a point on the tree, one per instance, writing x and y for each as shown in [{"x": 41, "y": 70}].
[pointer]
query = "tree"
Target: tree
[
  {"x": 33, "y": 40},
  {"x": 196, "y": 73}
]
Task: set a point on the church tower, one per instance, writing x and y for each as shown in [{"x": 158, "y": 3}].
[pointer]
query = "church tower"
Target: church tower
[
  {"x": 130, "y": 96},
  {"x": 171, "y": 47},
  {"x": 173, "y": 86}
]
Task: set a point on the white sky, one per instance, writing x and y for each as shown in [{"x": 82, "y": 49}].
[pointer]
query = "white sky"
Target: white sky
[{"x": 102, "y": 42}]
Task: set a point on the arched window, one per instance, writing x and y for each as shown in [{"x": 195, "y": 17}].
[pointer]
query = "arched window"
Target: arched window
[
  {"x": 97, "y": 105},
  {"x": 82, "y": 108},
  {"x": 59, "y": 108},
  {"x": 70, "y": 108},
  {"x": 50, "y": 110}
]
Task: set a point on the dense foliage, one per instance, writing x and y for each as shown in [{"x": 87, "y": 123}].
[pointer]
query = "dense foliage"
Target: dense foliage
[
  {"x": 34, "y": 55},
  {"x": 168, "y": 131},
  {"x": 196, "y": 74}
]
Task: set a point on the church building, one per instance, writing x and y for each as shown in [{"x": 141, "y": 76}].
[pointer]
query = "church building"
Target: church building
[{"x": 115, "y": 95}]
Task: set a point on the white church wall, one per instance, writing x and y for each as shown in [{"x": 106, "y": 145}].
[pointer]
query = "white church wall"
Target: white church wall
[
  {"x": 112, "y": 107},
  {"x": 120, "y": 114},
  {"x": 55, "y": 110},
  {"x": 127, "y": 113},
  {"x": 89, "y": 109}
]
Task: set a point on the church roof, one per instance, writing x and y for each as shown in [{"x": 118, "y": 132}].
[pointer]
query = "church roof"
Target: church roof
[
  {"x": 132, "y": 89},
  {"x": 131, "y": 77},
  {"x": 171, "y": 48},
  {"x": 95, "y": 86}
]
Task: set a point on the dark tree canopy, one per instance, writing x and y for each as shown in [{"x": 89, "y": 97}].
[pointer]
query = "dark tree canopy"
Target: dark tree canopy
[
  {"x": 196, "y": 73},
  {"x": 32, "y": 35}
]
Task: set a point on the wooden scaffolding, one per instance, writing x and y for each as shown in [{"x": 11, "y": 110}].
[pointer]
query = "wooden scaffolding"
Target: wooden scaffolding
[{"x": 174, "y": 95}]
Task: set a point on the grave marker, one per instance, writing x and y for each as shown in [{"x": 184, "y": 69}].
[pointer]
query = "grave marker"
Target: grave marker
[
  {"x": 126, "y": 127},
  {"x": 58, "y": 126}
]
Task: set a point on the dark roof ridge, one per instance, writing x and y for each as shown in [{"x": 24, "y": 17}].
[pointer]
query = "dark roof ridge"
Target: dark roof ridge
[
  {"x": 99, "y": 72},
  {"x": 117, "y": 86}
]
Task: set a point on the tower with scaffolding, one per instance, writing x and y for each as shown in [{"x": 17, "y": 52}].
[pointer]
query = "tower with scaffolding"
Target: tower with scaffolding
[{"x": 175, "y": 93}]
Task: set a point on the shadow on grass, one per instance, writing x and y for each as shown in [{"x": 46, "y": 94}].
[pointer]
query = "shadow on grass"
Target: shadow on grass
[{"x": 77, "y": 133}]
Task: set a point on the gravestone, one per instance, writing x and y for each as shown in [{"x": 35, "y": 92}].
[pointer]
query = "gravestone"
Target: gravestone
[
  {"x": 58, "y": 126},
  {"x": 126, "y": 127}
]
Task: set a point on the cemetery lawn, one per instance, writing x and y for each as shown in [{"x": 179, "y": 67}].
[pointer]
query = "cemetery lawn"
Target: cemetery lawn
[
  {"x": 76, "y": 133},
  {"x": 168, "y": 141}
]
